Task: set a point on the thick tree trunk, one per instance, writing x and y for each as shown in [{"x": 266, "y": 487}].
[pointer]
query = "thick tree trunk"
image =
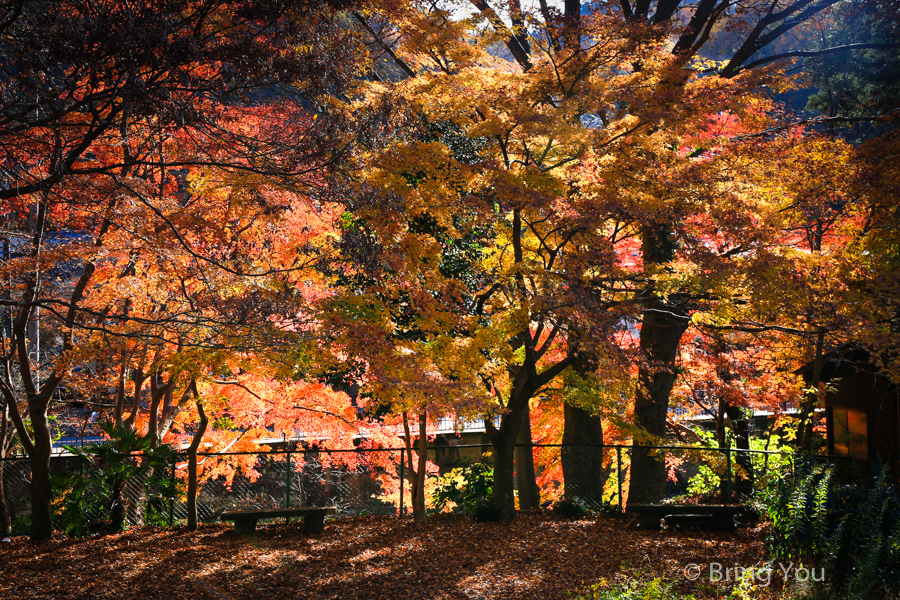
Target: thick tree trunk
[
  {"x": 192, "y": 468},
  {"x": 526, "y": 382},
  {"x": 662, "y": 326},
  {"x": 526, "y": 483},
  {"x": 504, "y": 450},
  {"x": 417, "y": 469},
  {"x": 584, "y": 475},
  {"x": 503, "y": 441},
  {"x": 582, "y": 453},
  {"x": 661, "y": 331},
  {"x": 41, "y": 490}
]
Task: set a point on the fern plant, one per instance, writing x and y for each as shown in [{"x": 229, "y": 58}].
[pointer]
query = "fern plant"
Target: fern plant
[{"x": 851, "y": 531}]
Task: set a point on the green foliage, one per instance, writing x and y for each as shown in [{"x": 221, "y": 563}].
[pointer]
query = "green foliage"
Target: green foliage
[
  {"x": 779, "y": 461},
  {"x": 468, "y": 488},
  {"x": 704, "y": 483},
  {"x": 574, "y": 508},
  {"x": 852, "y": 531},
  {"x": 770, "y": 458},
  {"x": 224, "y": 423},
  {"x": 92, "y": 499},
  {"x": 633, "y": 589}
]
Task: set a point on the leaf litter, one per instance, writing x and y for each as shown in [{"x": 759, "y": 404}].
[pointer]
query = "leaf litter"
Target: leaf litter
[{"x": 535, "y": 556}]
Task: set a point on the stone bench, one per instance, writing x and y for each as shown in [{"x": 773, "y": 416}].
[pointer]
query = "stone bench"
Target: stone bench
[
  {"x": 245, "y": 520},
  {"x": 711, "y": 516}
]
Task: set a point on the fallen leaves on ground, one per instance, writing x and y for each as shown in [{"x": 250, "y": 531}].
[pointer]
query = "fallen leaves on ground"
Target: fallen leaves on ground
[{"x": 536, "y": 556}]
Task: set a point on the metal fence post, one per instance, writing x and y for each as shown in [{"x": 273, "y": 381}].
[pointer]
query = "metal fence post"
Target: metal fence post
[
  {"x": 401, "y": 481},
  {"x": 81, "y": 476},
  {"x": 287, "y": 495},
  {"x": 728, "y": 474},
  {"x": 619, "y": 475},
  {"x": 172, "y": 499}
]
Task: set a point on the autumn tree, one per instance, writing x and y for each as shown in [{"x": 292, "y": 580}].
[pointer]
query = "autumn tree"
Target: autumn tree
[
  {"x": 512, "y": 167},
  {"x": 397, "y": 337},
  {"x": 664, "y": 165},
  {"x": 110, "y": 113}
]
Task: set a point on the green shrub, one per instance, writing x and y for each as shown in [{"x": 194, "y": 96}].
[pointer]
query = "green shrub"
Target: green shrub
[
  {"x": 704, "y": 483},
  {"x": 633, "y": 589},
  {"x": 92, "y": 499},
  {"x": 466, "y": 487}
]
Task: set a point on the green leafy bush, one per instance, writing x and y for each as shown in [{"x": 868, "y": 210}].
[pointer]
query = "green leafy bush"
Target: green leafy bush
[
  {"x": 704, "y": 483},
  {"x": 93, "y": 498},
  {"x": 633, "y": 589},
  {"x": 466, "y": 487}
]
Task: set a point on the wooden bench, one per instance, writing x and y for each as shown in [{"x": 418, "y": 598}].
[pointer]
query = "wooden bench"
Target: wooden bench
[
  {"x": 711, "y": 516},
  {"x": 245, "y": 520}
]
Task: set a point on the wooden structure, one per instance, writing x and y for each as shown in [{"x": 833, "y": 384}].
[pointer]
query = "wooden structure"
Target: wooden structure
[
  {"x": 862, "y": 408},
  {"x": 245, "y": 520}
]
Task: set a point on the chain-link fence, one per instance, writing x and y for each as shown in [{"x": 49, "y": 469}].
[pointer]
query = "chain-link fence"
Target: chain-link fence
[{"x": 372, "y": 481}]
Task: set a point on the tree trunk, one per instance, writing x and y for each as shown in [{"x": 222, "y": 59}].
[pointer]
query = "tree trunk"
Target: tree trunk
[
  {"x": 192, "y": 467},
  {"x": 120, "y": 396},
  {"x": 504, "y": 450},
  {"x": 138, "y": 377},
  {"x": 117, "y": 506},
  {"x": 503, "y": 442},
  {"x": 4, "y": 509},
  {"x": 526, "y": 382},
  {"x": 417, "y": 471},
  {"x": 526, "y": 483},
  {"x": 582, "y": 453},
  {"x": 662, "y": 326},
  {"x": 162, "y": 414},
  {"x": 419, "y": 499},
  {"x": 41, "y": 490},
  {"x": 661, "y": 331},
  {"x": 584, "y": 475}
]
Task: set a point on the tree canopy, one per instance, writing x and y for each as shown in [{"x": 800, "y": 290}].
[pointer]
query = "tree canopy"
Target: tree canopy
[{"x": 567, "y": 217}]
